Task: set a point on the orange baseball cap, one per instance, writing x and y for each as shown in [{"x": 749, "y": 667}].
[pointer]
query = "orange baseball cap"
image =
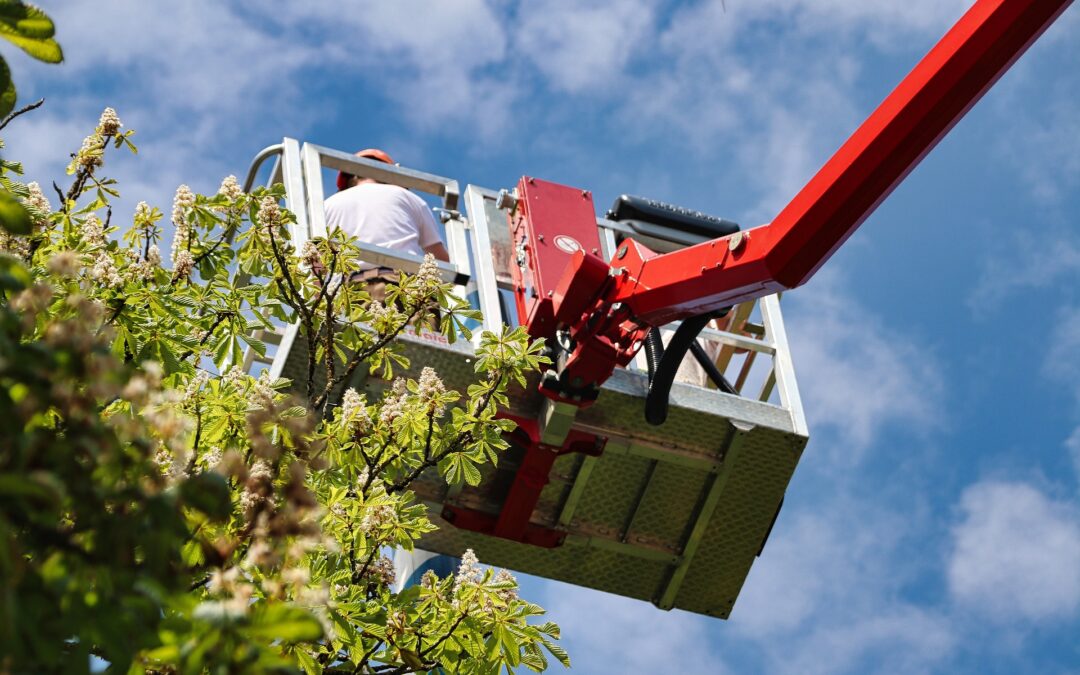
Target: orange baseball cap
[{"x": 370, "y": 153}]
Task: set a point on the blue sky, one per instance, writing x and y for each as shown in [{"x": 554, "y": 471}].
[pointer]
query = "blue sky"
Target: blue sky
[{"x": 934, "y": 522}]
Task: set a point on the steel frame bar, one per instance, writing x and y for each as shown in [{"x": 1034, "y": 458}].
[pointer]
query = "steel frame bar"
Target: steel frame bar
[
  {"x": 783, "y": 367},
  {"x": 631, "y": 550},
  {"x": 666, "y": 599},
  {"x": 577, "y": 488},
  {"x": 447, "y": 188},
  {"x": 487, "y": 286},
  {"x": 314, "y": 158},
  {"x": 624, "y": 534}
]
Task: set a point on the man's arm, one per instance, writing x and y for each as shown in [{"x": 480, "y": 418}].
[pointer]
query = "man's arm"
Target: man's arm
[
  {"x": 438, "y": 250},
  {"x": 428, "y": 231}
]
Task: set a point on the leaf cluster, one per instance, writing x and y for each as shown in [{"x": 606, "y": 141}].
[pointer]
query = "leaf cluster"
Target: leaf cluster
[{"x": 167, "y": 511}]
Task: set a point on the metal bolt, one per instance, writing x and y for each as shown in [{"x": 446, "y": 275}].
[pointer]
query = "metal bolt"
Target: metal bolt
[
  {"x": 532, "y": 181},
  {"x": 507, "y": 200},
  {"x": 622, "y": 252},
  {"x": 551, "y": 293},
  {"x": 540, "y": 237},
  {"x": 735, "y": 241},
  {"x": 596, "y": 251},
  {"x": 585, "y": 194}
]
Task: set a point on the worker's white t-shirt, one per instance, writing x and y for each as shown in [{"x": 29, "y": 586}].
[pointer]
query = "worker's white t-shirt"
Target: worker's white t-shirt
[{"x": 384, "y": 215}]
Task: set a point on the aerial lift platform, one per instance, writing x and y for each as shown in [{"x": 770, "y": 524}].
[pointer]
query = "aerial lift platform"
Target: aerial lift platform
[{"x": 618, "y": 479}]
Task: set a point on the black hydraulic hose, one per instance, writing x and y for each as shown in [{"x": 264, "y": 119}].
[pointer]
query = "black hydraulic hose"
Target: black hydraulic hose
[
  {"x": 709, "y": 366},
  {"x": 654, "y": 352},
  {"x": 656, "y": 402}
]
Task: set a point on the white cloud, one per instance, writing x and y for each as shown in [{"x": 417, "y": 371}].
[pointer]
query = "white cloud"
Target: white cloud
[
  {"x": 857, "y": 378},
  {"x": 611, "y": 634},
  {"x": 1016, "y": 553},
  {"x": 203, "y": 83},
  {"x": 1046, "y": 149},
  {"x": 896, "y": 639},
  {"x": 1063, "y": 358},
  {"x": 1072, "y": 444},
  {"x": 1030, "y": 263},
  {"x": 1042, "y": 142},
  {"x": 581, "y": 47},
  {"x": 435, "y": 60},
  {"x": 883, "y": 22},
  {"x": 763, "y": 92},
  {"x": 198, "y": 58},
  {"x": 827, "y": 588}
]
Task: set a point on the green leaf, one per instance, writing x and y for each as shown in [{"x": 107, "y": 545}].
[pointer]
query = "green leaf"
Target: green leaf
[
  {"x": 557, "y": 651},
  {"x": 26, "y": 20},
  {"x": 306, "y": 662},
  {"x": 13, "y": 216},
  {"x": 287, "y": 623},
  {"x": 43, "y": 50},
  {"x": 293, "y": 411},
  {"x": 29, "y": 29},
  {"x": 13, "y": 275},
  {"x": 209, "y": 493},
  {"x": 17, "y": 485},
  {"x": 7, "y": 89}
]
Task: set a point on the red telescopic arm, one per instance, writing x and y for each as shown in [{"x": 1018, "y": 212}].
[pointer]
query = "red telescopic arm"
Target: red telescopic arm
[
  {"x": 606, "y": 310},
  {"x": 889, "y": 144}
]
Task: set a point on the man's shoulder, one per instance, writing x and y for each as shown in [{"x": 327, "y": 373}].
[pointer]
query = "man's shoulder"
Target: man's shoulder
[{"x": 373, "y": 191}]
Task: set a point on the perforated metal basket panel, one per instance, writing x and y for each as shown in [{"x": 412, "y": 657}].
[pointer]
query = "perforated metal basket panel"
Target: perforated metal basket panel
[{"x": 673, "y": 514}]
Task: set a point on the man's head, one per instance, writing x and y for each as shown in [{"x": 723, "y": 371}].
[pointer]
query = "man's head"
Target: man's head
[{"x": 345, "y": 180}]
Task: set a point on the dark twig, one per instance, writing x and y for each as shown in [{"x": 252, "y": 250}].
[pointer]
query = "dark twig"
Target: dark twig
[
  {"x": 364, "y": 355},
  {"x": 458, "y": 445},
  {"x": 20, "y": 111}
]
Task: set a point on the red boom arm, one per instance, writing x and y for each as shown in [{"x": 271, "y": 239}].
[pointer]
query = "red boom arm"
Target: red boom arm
[{"x": 606, "y": 310}]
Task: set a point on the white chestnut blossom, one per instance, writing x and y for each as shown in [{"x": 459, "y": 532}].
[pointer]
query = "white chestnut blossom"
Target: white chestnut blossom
[
  {"x": 64, "y": 264},
  {"x": 378, "y": 517},
  {"x": 310, "y": 256},
  {"x": 510, "y": 594},
  {"x": 429, "y": 271},
  {"x": 430, "y": 388},
  {"x": 37, "y": 204},
  {"x": 235, "y": 377},
  {"x": 354, "y": 411},
  {"x": 269, "y": 215},
  {"x": 394, "y": 405},
  {"x": 211, "y": 459},
  {"x": 469, "y": 571},
  {"x": 109, "y": 123},
  {"x": 230, "y": 188},
  {"x": 89, "y": 155},
  {"x": 262, "y": 389},
  {"x": 182, "y": 202},
  {"x": 92, "y": 231},
  {"x": 383, "y": 571},
  {"x": 183, "y": 263},
  {"x": 104, "y": 271}
]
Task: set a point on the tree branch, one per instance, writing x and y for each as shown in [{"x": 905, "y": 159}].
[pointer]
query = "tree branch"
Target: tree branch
[{"x": 20, "y": 111}]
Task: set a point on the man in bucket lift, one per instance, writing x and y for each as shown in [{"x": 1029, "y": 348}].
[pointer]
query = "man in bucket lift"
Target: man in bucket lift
[{"x": 385, "y": 215}]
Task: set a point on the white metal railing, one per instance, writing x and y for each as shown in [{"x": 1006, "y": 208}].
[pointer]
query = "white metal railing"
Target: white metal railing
[{"x": 481, "y": 252}]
